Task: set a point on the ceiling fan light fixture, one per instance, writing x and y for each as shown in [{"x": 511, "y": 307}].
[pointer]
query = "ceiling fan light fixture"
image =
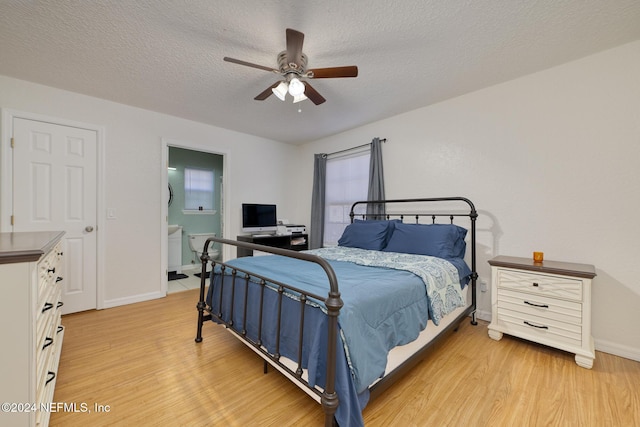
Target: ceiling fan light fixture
[
  {"x": 292, "y": 67},
  {"x": 281, "y": 90},
  {"x": 299, "y": 98},
  {"x": 296, "y": 87}
]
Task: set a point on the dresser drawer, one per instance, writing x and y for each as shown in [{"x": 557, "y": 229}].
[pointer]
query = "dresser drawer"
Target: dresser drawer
[
  {"x": 540, "y": 329},
  {"x": 47, "y": 339},
  {"x": 46, "y": 272},
  {"x": 48, "y": 304},
  {"x": 540, "y": 284},
  {"x": 541, "y": 306},
  {"x": 49, "y": 270},
  {"x": 44, "y": 328},
  {"x": 48, "y": 328}
]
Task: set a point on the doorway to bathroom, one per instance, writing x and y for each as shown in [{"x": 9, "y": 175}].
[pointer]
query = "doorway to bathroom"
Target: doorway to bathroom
[{"x": 195, "y": 206}]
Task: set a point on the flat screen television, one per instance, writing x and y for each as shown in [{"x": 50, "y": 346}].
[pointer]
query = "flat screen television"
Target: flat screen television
[{"x": 259, "y": 218}]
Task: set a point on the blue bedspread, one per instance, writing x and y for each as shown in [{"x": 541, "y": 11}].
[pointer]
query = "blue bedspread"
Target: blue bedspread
[
  {"x": 441, "y": 277},
  {"x": 384, "y": 306}
]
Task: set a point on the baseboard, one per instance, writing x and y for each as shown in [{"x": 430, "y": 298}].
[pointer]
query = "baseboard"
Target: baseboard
[
  {"x": 192, "y": 266},
  {"x": 133, "y": 299},
  {"x": 617, "y": 349},
  {"x": 483, "y": 315}
]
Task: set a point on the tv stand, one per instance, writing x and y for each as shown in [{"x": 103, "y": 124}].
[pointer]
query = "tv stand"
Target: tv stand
[{"x": 295, "y": 242}]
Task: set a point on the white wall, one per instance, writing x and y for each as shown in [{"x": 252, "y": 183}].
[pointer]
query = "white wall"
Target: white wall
[
  {"x": 133, "y": 176},
  {"x": 549, "y": 160},
  {"x": 551, "y": 163}
]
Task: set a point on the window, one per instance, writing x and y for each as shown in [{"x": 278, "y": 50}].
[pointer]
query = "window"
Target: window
[
  {"x": 347, "y": 182},
  {"x": 198, "y": 189}
]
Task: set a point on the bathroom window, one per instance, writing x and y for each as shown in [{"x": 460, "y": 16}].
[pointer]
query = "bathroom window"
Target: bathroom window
[{"x": 198, "y": 190}]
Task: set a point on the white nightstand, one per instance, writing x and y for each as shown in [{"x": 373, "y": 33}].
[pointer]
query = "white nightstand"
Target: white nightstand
[{"x": 548, "y": 303}]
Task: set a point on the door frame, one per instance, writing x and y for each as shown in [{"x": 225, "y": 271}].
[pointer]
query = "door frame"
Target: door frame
[
  {"x": 164, "y": 212},
  {"x": 6, "y": 181}
]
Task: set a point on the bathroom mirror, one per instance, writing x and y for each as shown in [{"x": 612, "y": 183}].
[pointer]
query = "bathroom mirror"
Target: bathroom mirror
[{"x": 170, "y": 194}]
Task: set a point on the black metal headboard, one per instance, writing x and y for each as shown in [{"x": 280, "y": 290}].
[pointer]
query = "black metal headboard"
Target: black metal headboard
[{"x": 434, "y": 208}]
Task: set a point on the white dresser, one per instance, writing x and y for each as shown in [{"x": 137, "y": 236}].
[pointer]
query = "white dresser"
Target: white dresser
[
  {"x": 30, "y": 311},
  {"x": 547, "y": 302}
]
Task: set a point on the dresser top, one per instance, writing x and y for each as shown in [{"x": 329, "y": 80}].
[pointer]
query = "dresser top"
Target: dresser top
[
  {"x": 552, "y": 267},
  {"x": 26, "y": 246}
]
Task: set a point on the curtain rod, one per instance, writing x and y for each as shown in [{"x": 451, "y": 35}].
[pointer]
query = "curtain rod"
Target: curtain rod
[{"x": 353, "y": 148}]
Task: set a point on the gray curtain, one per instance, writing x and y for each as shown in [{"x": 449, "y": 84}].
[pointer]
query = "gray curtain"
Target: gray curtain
[
  {"x": 316, "y": 235},
  {"x": 376, "y": 181}
]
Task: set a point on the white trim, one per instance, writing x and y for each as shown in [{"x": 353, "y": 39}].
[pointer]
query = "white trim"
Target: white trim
[
  {"x": 195, "y": 212},
  {"x": 617, "y": 349},
  {"x": 483, "y": 315},
  {"x": 101, "y": 201},
  {"x": 6, "y": 171},
  {"x": 164, "y": 214},
  {"x": 6, "y": 182},
  {"x": 134, "y": 299},
  {"x": 164, "y": 218}
]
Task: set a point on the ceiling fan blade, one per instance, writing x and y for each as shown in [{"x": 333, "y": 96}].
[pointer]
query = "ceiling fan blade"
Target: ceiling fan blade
[
  {"x": 266, "y": 93},
  {"x": 333, "y": 72},
  {"x": 249, "y": 64},
  {"x": 313, "y": 94},
  {"x": 295, "y": 39}
]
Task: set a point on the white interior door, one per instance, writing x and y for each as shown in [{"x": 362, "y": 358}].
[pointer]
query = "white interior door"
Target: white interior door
[{"x": 54, "y": 188}]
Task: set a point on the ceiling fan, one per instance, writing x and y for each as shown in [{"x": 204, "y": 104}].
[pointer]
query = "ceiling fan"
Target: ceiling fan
[{"x": 292, "y": 66}]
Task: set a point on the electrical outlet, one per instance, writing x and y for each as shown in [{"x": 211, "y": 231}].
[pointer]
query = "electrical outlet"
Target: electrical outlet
[{"x": 483, "y": 286}]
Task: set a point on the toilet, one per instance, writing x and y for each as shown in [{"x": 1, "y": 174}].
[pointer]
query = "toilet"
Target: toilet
[{"x": 196, "y": 243}]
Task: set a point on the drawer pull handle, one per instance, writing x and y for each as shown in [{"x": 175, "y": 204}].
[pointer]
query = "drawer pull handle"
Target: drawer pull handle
[
  {"x": 535, "y": 284},
  {"x": 60, "y": 304},
  {"x": 58, "y": 279},
  {"x": 47, "y": 306},
  {"x": 51, "y": 375},
  {"x": 47, "y": 342},
  {"x": 51, "y": 270},
  {"x": 535, "y": 326},
  {"x": 537, "y": 305},
  {"x": 60, "y": 329}
]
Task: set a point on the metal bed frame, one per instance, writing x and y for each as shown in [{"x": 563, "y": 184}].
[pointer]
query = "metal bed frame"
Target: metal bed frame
[{"x": 328, "y": 396}]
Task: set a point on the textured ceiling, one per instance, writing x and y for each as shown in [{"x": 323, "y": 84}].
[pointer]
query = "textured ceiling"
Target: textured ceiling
[{"x": 166, "y": 55}]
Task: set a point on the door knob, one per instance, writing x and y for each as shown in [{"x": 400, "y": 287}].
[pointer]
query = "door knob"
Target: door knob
[{"x": 88, "y": 229}]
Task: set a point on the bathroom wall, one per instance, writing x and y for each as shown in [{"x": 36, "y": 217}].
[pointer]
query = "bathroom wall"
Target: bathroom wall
[{"x": 179, "y": 158}]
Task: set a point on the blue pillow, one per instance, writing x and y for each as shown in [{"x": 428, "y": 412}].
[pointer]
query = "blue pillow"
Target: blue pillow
[
  {"x": 372, "y": 235},
  {"x": 439, "y": 240}
]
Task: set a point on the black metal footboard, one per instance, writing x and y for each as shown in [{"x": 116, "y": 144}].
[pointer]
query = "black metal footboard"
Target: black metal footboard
[{"x": 242, "y": 278}]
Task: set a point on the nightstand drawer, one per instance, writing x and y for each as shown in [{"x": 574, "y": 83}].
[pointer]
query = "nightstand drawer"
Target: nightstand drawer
[
  {"x": 537, "y": 305},
  {"x": 540, "y": 329},
  {"x": 540, "y": 284}
]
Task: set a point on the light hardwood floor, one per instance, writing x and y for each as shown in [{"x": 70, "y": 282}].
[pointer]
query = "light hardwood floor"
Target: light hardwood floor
[{"x": 141, "y": 360}]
